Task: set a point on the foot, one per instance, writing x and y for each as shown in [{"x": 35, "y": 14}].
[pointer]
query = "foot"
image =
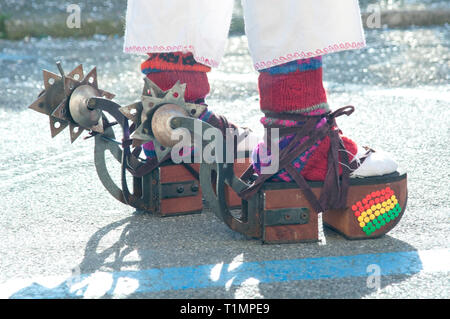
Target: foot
[{"x": 313, "y": 163}]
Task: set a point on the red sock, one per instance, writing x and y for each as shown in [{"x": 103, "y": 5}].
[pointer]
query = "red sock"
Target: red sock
[
  {"x": 165, "y": 69},
  {"x": 296, "y": 87}
]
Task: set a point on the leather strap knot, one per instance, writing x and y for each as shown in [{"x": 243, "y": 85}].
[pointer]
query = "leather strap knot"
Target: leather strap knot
[{"x": 335, "y": 188}]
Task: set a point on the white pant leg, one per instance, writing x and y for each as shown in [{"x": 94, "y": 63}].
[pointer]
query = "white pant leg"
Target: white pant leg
[
  {"x": 280, "y": 31},
  {"x": 197, "y": 26}
]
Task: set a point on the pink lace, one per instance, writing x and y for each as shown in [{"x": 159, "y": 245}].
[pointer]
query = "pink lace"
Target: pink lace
[
  {"x": 176, "y": 48},
  {"x": 306, "y": 55}
]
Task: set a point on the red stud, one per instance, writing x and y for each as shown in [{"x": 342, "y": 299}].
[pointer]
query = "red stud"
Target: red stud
[
  {"x": 371, "y": 203},
  {"x": 377, "y": 200},
  {"x": 357, "y": 214},
  {"x": 364, "y": 201},
  {"x": 377, "y": 193},
  {"x": 366, "y": 206},
  {"x": 354, "y": 207}
]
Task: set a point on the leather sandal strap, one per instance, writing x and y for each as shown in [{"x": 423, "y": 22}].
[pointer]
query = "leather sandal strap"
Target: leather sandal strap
[{"x": 335, "y": 188}]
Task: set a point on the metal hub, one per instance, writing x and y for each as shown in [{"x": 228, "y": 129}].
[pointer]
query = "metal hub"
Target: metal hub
[{"x": 58, "y": 102}]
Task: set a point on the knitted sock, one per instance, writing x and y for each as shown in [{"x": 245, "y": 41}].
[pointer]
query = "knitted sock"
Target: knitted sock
[
  {"x": 165, "y": 69},
  {"x": 295, "y": 87}
]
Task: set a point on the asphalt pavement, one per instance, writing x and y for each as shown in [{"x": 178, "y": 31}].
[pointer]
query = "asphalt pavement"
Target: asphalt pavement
[{"x": 63, "y": 236}]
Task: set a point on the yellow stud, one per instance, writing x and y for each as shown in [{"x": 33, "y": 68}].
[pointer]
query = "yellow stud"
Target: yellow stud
[
  {"x": 392, "y": 206},
  {"x": 373, "y": 208},
  {"x": 378, "y": 206},
  {"x": 367, "y": 219},
  {"x": 377, "y": 213},
  {"x": 382, "y": 211},
  {"x": 372, "y": 217},
  {"x": 362, "y": 224},
  {"x": 360, "y": 218},
  {"x": 363, "y": 214},
  {"x": 383, "y": 204}
]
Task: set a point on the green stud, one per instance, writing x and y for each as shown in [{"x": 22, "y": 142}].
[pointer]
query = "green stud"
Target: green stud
[
  {"x": 388, "y": 219},
  {"x": 383, "y": 223},
  {"x": 380, "y": 218},
  {"x": 378, "y": 226}
]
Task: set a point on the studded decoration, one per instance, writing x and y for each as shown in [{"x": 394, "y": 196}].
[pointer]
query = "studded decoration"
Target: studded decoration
[
  {"x": 376, "y": 210},
  {"x": 54, "y": 100},
  {"x": 140, "y": 113}
]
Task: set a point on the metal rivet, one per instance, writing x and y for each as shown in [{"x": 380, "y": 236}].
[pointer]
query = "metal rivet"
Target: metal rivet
[
  {"x": 180, "y": 189},
  {"x": 91, "y": 103}
]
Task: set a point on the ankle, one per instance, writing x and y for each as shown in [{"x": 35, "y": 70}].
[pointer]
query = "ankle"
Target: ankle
[{"x": 166, "y": 69}]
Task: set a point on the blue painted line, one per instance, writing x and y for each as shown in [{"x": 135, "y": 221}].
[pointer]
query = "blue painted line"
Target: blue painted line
[{"x": 210, "y": 276}]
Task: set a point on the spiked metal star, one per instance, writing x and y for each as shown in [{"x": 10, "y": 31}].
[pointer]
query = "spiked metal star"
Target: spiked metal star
[
  {"x": 55, "y": 100},
  {"x": 153, "y": 97}
]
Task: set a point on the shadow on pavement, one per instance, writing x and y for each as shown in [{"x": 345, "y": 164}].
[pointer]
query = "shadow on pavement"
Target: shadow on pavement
[{"x": 140, "y": 263}]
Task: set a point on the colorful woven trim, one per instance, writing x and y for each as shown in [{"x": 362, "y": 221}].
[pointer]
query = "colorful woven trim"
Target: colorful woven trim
[
  {"x": 149, "y": 150},
  {"x": 376, "y": 210},
  {"x": 171, "y": 49},
  {"x": 299, "y": 163},
  {"x": 314, "y": 110},
  {"x": 297, "y": 65},
  {"x": 174, "y": 61}
]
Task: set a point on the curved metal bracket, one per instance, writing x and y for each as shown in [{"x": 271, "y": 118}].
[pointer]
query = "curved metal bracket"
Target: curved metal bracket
[
  {"x": 104, "y": 143},
  {"x": 138, "y": 199},
  {"x": 214, "y": 177}
]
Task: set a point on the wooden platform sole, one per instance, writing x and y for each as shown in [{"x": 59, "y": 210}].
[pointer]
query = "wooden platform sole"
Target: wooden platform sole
[
  {"x": 180, "y": 193},
  {"x": 374, "y": 206}
]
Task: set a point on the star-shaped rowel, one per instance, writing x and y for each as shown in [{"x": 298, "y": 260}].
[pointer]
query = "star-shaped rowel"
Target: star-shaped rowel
[
  {"x": 55, "y": 99},
  {"x": 153, "y": 97}
]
